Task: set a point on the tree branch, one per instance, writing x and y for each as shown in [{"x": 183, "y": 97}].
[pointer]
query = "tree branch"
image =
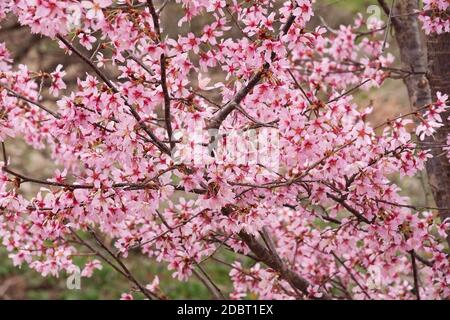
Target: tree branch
[
  {"x": 342, "y": 202},
  {"x": 167, "y": 113},
  {"x": 216, "y": 121},
  {"x": 37, "y": 104},
  {"x": 5, "y": 156},
  {"x": 128, "y": 273},
  {"x": 274, "y": 262},
  {"x": 351, "y": 275},
  {"x": 415, "y": 275},
  {"x": 125, "y": 272}
]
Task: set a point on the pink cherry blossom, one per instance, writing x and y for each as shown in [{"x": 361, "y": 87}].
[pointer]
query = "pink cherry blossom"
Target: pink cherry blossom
[
  {"x": 94, "y": 8},
  {"x": 89, "y": 268},
  {"x": 434, "y": 16}
]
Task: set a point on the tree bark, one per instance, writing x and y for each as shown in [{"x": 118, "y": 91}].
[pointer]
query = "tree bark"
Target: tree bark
[
  {"x": 439, "y": 77},
  {"x": 271, "y": 259},
  {"x": 429, "y": 72},
  {"x": 412, "y": 52}
]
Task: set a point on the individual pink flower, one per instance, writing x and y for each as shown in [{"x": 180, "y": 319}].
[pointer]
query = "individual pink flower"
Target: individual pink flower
[
  {"x": 86, "y": 40},
  {"x": 126, "y": 296},
  {"x": 57, "y": 81},
  {"x": 90, "y": 267},
  {"x": 94, "y": 8}
]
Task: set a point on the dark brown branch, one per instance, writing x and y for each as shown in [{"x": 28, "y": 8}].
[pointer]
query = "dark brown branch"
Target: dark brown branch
[
  {"x": 98, "y": 253},
  {"x": 162, "y": 234},
  {"x": 203, "y": 276},
  {"x": 167, "y": 113},
  {"x": 45, "y": 182},
  {"x": 423, "y": 260},
  {"x": 415, "y": 275},
  {"x": 385, "y": 7},
  {"x": 128, "y": 273},
  {"x": 349, "y": 91},
  {"x": 125, "y": 185},
  {"x": 5, "y": 156},
  {"x": 388, "y": 28},
  {"x": 274, "y": 262},
  {"x": 124, "y": 273},
  {"x": 105, "y": 79},
  {"x": 411, "y": 206},
  {"x": 89, "y": 63},
  {"x": 387, "y": 11},
  {"x": 37, "y": 104},
  {"x": 370, "y": 32},
  {"x": 126, "y": 7},
  {"x": 216, "y": 121},
  {"x": 155, "y": 18},
  {"x": 351, "y": 275},
  {"x": 342, "y": 202},
  {"x": 143, "y": 66},
  {"x": 208, "y": 283},
  {"x": 299, "y": 86}
]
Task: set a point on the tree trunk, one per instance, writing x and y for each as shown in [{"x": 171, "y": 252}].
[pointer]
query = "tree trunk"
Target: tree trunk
[
  {"x": 412, "y": 52},
  {"x": 427, "y": 75},
  {"x": 439, "y": 77}
]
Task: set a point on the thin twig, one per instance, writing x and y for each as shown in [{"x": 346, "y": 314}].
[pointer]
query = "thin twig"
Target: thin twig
[
  {"x": 122, "y": 265},
  {"x": 299, "y": 86},
  {"x": 5, "y": 157},
  {"x": 37, "y": 104},
  {"x": 415, "y": 275},
  {"x": 105, "y": 79},
  {"x": 349, "y": 91},
  {"x": 216, "y": 121},
  {"x": 388, "y": 28},
  {"x": 203, "y": 276},
  {"x": 351, "y": 275}
]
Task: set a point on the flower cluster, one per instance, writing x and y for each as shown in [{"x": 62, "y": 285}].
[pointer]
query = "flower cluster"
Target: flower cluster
[
  {"x": 435, "y": 16},
  {"x": 432, "y": 119}
]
